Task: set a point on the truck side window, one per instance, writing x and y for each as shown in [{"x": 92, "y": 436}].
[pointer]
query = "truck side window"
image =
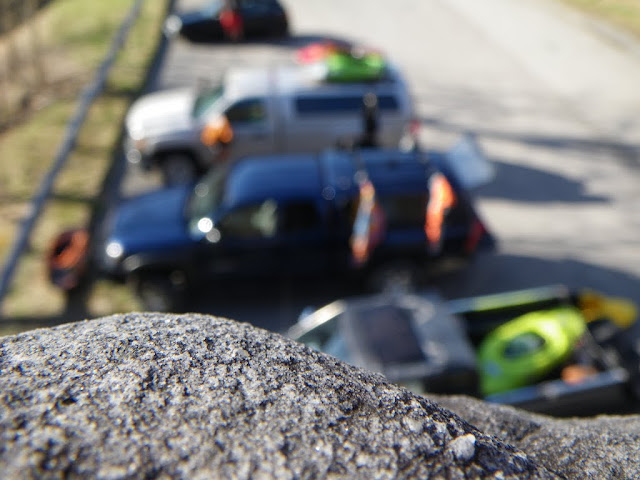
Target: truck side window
[
  {"x": 299, "y": 216},
  {"x": 325, "y": 104},
  {"x": 387, "y": 103},
  {"x": 251, "y": 221},
  {"x": 247, "y": 111},
  {"x": 255, "y": 8}
]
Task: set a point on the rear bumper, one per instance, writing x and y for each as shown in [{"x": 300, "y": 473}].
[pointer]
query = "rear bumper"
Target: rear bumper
[{"x": 602, "y": 392}]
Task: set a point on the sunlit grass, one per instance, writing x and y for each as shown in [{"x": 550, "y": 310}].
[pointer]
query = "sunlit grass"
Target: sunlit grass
[
  {"x": 623, "y": 13},
  {"x": 76, "y": 35}
]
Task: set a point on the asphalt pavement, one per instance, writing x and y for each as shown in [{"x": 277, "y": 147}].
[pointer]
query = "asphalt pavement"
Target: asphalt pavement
[{"x": 551, "y": 95}]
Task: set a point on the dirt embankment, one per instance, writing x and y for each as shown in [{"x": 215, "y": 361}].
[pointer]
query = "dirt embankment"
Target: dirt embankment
[{"x": 33, "y": 71}]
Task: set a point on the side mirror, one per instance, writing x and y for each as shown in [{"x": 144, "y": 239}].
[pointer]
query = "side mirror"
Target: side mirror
[{"x": 468, "y": 163}]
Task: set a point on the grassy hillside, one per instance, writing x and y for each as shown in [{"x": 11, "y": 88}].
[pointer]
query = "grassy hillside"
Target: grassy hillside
[{"x": 71, "y": 50}]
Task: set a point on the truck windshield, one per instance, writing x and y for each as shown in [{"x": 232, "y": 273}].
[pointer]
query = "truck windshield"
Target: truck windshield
[
  {"x": 207, "y": 194},
  {"x": 388, "y": 334},
  {"x": 212, "y": 9},
  {"x": 205, "y": 100}
]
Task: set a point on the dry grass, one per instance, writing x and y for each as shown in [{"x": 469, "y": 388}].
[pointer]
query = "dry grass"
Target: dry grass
[
  {"x": 71, "y": 51},
  {"x": 623, "y": 13}
]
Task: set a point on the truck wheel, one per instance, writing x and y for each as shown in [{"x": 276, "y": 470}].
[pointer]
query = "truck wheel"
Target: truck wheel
[
  {"x": 158, "y": 293},
  {"x": 178, "y": 168},
  {"x": 397, "y": 277}
]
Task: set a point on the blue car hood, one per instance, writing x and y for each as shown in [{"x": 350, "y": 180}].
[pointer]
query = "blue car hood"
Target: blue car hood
[{"x": 152, "y": 221}]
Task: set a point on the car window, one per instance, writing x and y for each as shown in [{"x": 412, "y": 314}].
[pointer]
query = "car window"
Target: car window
[
  {"x": 207, "y": 194},
  {"x": 336, "y": 346},
  {"x": 205, "y": 100},
  {"x": 247, "y": 111},
  {"x": 328, "y": 338},
  {"x": 212, "y": 9},
  {"x": 388, "y": 334},
  {"x": 255, "y": 7},
  {"x": 325, "y": 104},
  {"x": 251, "y": 221},
  {"x": 298, "y": 217}
]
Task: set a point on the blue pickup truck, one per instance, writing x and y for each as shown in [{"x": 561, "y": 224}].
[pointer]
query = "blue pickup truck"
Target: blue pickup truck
[{"x": 359, "y": 214}]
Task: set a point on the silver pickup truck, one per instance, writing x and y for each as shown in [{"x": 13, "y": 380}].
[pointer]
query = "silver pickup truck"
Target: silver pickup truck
[{"x": 271, "y": 110}]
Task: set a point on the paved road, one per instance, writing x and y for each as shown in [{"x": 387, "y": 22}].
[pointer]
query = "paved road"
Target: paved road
[{"x": 553, "y": 98}]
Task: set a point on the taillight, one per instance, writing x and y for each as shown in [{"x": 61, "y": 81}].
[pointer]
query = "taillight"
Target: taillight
[
  {"x": 414, "y": 127},
  {"x": 441, "y": 199},
  {"x": 368, "y": 226},
  {"x": 476, "y": 232}
]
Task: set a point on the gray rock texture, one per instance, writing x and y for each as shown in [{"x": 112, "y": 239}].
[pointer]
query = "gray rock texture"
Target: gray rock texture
[
  {"x": 599, "y": 447},
  {"x": 191, "y": 396}
]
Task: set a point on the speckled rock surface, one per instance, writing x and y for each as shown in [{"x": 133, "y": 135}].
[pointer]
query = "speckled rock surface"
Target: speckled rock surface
[
  {"x": 162, "y": 396},
  {"x": 606, "y": 447}
]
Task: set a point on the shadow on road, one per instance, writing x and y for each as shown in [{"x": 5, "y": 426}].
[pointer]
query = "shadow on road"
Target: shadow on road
[
  {"x": 625, "y": 152},
  {"x": 271, "y": 304},
  {"x": 502, "y": 272},
  {"x": 513, "y": 182},
  {"x": 276, "y": 305}
]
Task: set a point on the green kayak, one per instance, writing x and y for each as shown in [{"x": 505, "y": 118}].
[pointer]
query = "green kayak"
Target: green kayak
[
  {"x": 345, "y": 67},
  {"x": 525, "y": 349}
]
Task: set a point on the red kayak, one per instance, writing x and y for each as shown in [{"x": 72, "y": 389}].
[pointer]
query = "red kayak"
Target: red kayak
[{"x": 67, "y": 258}]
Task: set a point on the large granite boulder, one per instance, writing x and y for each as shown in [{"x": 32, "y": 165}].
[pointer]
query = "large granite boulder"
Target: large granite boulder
[
  {"x": 600, "y": 447},
  {"x": 191, "y": 396}
]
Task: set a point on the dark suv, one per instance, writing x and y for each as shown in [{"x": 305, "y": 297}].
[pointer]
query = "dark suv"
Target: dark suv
[{"x": 339, "y": 214}]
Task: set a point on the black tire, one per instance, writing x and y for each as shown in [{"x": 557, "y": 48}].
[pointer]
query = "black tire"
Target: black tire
[
  {"x": 161, "y": 291},
  {"x": 178, "y": 168}
]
